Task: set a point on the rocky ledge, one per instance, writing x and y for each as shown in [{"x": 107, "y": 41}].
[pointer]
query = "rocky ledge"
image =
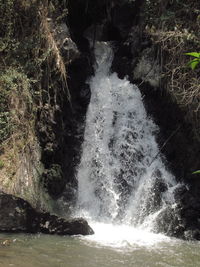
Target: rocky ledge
[{"x": 16, "y": 215}]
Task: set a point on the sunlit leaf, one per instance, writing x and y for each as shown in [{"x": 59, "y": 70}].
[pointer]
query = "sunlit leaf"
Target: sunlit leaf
[{"x": 193, "y": 54}]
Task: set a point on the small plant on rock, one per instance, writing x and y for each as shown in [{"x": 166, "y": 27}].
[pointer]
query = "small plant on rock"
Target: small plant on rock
[{"x": 195, "y": 61}]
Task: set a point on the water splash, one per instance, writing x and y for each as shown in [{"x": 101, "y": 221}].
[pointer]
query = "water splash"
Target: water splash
[
  {"x": 123, "y": 237},
  {"x": 119, "y": 178}
]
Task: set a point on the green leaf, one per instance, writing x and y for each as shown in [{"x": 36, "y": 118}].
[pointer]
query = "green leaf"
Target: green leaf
[
  {"x": 193, "y": 63},
  {"x": 196, "y": 172},
  {"x": 193, "y": 54}
]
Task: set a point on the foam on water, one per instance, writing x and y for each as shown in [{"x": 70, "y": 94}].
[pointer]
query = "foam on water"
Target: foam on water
[{"x": 124, "y": 236}]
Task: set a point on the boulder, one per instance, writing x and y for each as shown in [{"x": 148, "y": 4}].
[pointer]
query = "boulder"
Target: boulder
[
  {"x": 17, "y": 215},
  {"x": 14, "y": 214},
  {"x": 51, "y": 224},
  {"x": 64, "y": 43},
  {"x": 147, "y": 68},
  {"x": 181, "y": 220},
  {"x": 170, "y": 223}
]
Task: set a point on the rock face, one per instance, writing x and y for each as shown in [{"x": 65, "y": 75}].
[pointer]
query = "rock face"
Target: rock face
[
  {"x": 16, "y": 215},
  {"x": 181, "y": 220}
]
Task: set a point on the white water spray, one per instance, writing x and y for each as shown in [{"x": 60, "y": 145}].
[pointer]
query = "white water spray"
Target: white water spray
[{"x": 119, "y": 179}]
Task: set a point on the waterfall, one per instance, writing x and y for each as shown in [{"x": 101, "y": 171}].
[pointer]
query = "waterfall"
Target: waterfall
[{"x": 122, "y": 178}]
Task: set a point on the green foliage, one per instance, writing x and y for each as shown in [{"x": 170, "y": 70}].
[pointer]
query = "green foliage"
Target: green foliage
[
  {"x": 195, "y": 61},
  {"x": 6, "y": 23},
  {"x": 13, "y": 82},
  {"x": 4, "y": 108},
  {"x": 4, "y": 125}
]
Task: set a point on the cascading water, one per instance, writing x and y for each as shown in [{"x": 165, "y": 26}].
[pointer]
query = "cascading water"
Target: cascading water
[{"x": 122, "y": 179}]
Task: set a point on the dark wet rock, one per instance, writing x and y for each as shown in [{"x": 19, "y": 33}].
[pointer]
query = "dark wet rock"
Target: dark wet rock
[
  {"x": 124, "y": 16},
  {"x": 180, "y": 192},
  {"x": 79, "y": 70},
  {"x": 58, "y": 117},
  {"x": 128, "y": 53},
  {"x": 181, "y": 220},
  {"x": 160, "y": 186},
  {"x": 51, "y": 224},
  {"x": 121, "y": 65},
  {"x": 169, "y": 223},
  {"x": 16, "y": 215},
  {"x": 148, "y": 68},
  {"x": 66, "y": 46},
  {"x": 155, "y": 202},
  {"x": 67, "y": 201},
  {"x": 84, "y": 96},
  {"x": 53, "y": 180},
  {"x": 13, "y": 213},
  {"x": 192, "y": 234}
]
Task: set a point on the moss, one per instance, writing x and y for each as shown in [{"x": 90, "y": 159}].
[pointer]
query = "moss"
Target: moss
[{"x": 15, "y": 103}]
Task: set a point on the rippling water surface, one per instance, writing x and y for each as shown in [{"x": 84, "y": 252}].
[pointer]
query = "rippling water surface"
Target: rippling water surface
[{"x": 54, "y": 251}]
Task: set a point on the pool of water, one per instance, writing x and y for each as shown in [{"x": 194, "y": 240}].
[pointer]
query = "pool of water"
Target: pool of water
[{"x": 137, "y": 249}]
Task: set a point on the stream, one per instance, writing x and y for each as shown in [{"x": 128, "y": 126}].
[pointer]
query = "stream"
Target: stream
[{"x": 55, "y": 251}]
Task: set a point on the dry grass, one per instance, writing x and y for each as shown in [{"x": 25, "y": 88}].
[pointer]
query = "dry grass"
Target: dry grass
[
  {"x": 51, "y": 46},
  {"x": 173, "y": 38},
  {"x": 184, "y": 83}
]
